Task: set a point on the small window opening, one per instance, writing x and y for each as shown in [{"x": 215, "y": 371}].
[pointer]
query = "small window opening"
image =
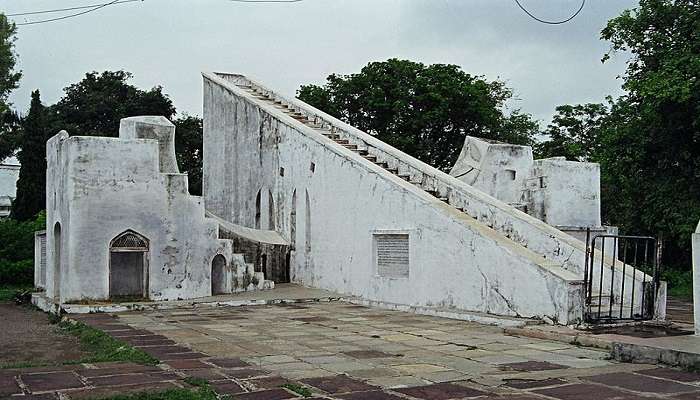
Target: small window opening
[
  {"x": 313, "y": 167},
  {"x": 510, "y": 174}
]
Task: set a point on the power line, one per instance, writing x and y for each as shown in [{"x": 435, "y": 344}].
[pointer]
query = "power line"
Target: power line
[
  {"x": 544, "y": 21},
  {"x": 266, "y": 1},
  {"x": 65, "y": 9},
  {"x": 94, "y": 8}
]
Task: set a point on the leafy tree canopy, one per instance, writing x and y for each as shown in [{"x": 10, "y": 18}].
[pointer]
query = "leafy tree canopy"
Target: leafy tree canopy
[
  {"x": 648, "y": 140},
  {"x": 9, "y": 78},
  {"x": 423, "y": 110},
  {"x": 573, "y": 132},
  {"x": 188, "y": 150},
  {"x": 651, "y": 144},
  {"x": 95, "y": 105}
]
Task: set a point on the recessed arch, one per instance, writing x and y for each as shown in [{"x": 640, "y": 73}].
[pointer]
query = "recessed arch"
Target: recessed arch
[
  {"x": 271, "y": 211},
  {"x": 128, "y": 265},
  {"x": 308, "y": 223},
  {"x": 57, "y": 247},
  {"x": 218, "y": 275},
  {"x": 293, "y": 222},
  {"x": 257, "y": 209}
]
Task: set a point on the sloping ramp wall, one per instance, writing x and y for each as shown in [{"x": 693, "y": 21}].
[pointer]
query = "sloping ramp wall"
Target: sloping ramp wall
[{"x": 263, "y": 168}]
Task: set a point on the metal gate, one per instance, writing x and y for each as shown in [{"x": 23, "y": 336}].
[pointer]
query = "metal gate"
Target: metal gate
[{"x": 621, "y": 277}]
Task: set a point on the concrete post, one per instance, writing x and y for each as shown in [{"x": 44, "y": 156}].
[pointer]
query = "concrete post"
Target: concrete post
[{"x": 696, "y": 278}]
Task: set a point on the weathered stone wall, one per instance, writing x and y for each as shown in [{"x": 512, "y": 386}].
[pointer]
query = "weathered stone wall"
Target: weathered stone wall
[
  {"x": 99, "y": 187},
  {"x": 498, "y": 169},
  {"x": 331, "y": 204},
  {"x": 564, "y": 193}
]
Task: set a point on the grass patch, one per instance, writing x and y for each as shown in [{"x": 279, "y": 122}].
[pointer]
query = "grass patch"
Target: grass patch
[
  {"x": 198, "y": 382},
  {"x": 102, "y": 347},
  {"x": 8, "y": 292},
  {"x": 680, "y": 282},
  {"x": 173, "y": 394},
  {"x": 298, "y": 389}
]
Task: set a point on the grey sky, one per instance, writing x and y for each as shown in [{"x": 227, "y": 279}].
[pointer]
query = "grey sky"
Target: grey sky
[{"x": 168, "y": 43}]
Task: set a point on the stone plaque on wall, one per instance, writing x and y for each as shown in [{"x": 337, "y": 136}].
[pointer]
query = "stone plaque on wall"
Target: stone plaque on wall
[{"x": 392, "y": 254}]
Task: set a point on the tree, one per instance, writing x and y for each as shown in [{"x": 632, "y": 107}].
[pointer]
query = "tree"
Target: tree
[
  {"x": 95, "y": 105},
  {"x": 425, "y": 111},
  {"x": 574, "y": 132},
  {"x": 9, "y": 79},
  {"x": 188, "y": 150},
  {"x": 31, "y": 185},
  {"x": 650, "y": 145}
]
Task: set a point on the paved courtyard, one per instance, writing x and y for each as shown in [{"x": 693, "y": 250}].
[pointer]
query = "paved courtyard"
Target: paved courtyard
[{"x": 343, "y": 351}]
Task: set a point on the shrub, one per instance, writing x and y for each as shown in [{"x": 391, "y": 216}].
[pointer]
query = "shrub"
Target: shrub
[{"x": 17, "y": 250}]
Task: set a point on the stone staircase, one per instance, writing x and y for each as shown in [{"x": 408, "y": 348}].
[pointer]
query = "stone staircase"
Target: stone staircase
[
  {"x": 334, "y": 134},
  {"x": 528, "y": 234}
]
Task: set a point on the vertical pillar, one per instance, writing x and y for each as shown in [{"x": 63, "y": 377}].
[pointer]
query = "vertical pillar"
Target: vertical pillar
[{"x": 696, "y": 278}]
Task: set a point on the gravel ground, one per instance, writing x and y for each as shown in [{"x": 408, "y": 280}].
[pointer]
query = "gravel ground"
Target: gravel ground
[{"x": 27, "y": 336}]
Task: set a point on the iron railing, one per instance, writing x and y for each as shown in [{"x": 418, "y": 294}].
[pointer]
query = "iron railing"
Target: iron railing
[{"x": 621, "y": 284}]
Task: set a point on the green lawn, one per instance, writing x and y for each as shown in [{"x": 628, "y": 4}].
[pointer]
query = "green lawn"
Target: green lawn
[
  {"x": 102, "y": 347},
  {"x": 99, "y": 346}
]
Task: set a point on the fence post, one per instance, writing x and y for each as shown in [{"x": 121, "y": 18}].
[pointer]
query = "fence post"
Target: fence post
[{"x": 696, "y": 278}]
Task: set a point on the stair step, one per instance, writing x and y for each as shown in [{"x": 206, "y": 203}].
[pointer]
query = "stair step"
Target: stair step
[
  {"x": 370, "y": 157},
  {"x": 405, "y": 177},
  {"x": 394, "y": 171},
  {"x": 445, "y": 199},
  {"x": 342, "y": 141},
  {"x": 350, "y": 146},
  {"x": 382, "y": 164}
]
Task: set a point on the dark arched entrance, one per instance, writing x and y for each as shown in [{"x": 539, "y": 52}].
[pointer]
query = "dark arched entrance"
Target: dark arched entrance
[
  {"x": 218, "y": 275},
  {"x": 128, "y": 266}
]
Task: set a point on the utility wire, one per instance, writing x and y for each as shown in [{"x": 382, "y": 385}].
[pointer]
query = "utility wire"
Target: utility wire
[
  {"x": 94, "y": 8},
  {"x": 266, "y": 1},
  {"x": 65, "y": 9},
  {"x": 544, "y": 21}
]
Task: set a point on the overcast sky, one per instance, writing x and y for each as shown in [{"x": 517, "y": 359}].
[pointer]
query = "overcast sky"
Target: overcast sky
[{"x": 169, "y": 42}]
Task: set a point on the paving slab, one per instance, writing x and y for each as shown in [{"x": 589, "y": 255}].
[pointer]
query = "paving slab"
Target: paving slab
[
  {"x": 672, "y": 374},
  {"x": 275, "y": 394},
  {"x": 51, "y": 381},
  {"x": 374, "y": 395},
  {"x": 641, "y": 383},
  {"x": 338, "y": 384},
  {"x": 441, "y": 391},
  {"x": 227, "y": 387}
]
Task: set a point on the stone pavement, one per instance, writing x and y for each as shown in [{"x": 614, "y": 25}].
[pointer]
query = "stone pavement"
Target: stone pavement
[{"x": 346, "y": 352}]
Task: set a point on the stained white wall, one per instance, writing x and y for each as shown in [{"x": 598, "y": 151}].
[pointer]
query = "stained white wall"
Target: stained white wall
[
  {"x": 498, "y": 169},
  {"x": 565, "y": 193},
  {"x": 99, "y": 187},
  {"x": 455, "y": 261},
  {"x": 696, "y": 277}
]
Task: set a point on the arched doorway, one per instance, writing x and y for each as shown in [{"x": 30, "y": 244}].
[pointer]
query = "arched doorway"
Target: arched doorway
[
  {"x": 128, "y": 266},
  {"x": 57, "y": 261},
  {"x": 218, "y": 275}
]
